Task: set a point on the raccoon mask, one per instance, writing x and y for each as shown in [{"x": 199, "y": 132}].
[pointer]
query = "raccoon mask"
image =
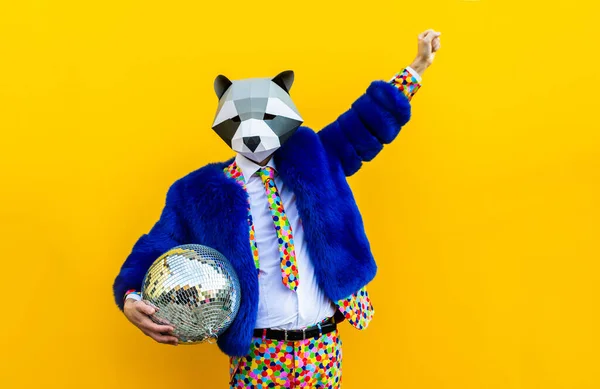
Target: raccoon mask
[{"x": 256, "y": 116}]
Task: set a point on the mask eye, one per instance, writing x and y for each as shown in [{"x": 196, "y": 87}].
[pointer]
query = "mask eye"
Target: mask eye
[
  {"x": 236, "y": 119},
  {"x": 268, "y": 116}
]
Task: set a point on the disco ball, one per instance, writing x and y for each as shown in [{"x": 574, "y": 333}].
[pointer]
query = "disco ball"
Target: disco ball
[{"x": 195, "y": 289}]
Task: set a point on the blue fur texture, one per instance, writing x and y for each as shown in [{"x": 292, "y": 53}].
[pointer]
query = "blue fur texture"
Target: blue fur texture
[{"x": 205, "y": 207}]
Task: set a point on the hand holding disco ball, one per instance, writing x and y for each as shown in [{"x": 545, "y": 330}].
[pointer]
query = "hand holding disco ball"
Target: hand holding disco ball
[
  {"x": 139, "y": 312},
  {"x": 192, "y": 288}
]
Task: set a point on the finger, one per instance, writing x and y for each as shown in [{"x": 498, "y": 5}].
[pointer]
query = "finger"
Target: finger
[
  {"x": 146, "y": 322},
  {"x": 426, "y": 33},
  {"x": 431, "y": 36},
  {"x": 145, "y": 308},
  {"x": 152, "y": 305},
  {"x": 149, "y": 325},
  {"x": 166, "y": 339},
  {"x": 161, "y": 320},
  {"x": 149, "y": 303}
]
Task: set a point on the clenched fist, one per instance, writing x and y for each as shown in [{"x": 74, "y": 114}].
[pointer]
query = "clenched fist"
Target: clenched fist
[{"x": 429, "y": 44}]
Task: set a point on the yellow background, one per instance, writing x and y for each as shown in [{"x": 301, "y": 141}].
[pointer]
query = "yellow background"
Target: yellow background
[{"x": 483, "y": 215}]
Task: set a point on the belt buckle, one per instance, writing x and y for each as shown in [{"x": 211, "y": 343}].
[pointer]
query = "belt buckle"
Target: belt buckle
[
  {"x": 304, "y": 333},
  {"x": 285, "y": 335}
]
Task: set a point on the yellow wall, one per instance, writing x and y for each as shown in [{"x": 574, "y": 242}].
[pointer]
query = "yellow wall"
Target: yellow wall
[{"x": 486, "y": 234}]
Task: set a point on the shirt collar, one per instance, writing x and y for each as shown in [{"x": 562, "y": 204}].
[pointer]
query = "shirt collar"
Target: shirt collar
[{"x": 249, "y": 168}]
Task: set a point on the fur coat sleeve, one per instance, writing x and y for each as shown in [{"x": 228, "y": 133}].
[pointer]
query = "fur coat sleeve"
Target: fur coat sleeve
[
  {"x": 167, "y": 233},
  {"x": 374, "y": 119}
]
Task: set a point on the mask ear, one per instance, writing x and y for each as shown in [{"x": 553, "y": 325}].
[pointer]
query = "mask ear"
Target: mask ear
[
  {"x": 221, "y": 85},
  {"x": 285, "y": 80}
]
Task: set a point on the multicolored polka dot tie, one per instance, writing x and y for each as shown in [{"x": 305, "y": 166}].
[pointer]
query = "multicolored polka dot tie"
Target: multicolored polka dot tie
[{"x": 289, "y": 268}]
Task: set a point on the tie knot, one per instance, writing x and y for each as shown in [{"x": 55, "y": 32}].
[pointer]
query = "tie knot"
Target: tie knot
[{"x": 266, "y": 172}]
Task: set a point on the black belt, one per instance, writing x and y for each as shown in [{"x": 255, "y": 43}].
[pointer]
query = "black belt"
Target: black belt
[{"x": 292, "y": 335}]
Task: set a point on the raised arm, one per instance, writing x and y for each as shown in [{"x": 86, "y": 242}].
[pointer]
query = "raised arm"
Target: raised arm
[{"x": 377, "y": 116}]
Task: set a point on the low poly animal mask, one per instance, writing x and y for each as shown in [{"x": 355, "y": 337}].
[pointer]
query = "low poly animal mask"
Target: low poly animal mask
[{"x": 256, "y": 116}]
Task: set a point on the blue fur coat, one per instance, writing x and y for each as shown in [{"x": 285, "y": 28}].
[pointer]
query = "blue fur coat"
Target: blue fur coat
[{"x": 205, "y": 207}]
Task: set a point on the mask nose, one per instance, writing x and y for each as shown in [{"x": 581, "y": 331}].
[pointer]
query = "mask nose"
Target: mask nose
[{"x": 252, "y": 142}]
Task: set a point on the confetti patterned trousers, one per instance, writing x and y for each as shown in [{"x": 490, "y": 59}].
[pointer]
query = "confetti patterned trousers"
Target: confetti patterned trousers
[{"x": 310, "y": 363}]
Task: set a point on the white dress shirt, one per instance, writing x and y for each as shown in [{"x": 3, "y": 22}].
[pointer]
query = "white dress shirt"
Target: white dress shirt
[{"x": 278, "y": 306}]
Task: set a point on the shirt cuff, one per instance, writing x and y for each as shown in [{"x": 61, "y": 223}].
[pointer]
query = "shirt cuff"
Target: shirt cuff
[
  {"x": 132, "y": 294},
  {"x": 414, "y": 73},
  {"x": 408, "y": 81}
]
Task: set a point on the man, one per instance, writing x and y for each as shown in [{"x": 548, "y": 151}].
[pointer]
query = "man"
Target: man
[{"x": 282, "y": 212}]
